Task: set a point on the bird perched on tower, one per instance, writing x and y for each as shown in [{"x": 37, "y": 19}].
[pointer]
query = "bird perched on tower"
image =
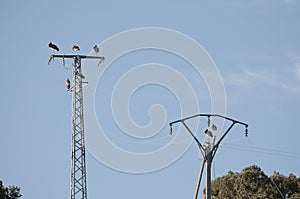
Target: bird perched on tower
[
  {"x": 207, "y": 132},
  {"x": 76, "y": 48},
  {"x": 53, "y": 47},
  {"x": 79, "y": 74},
  {"x": 214, "y": 127},
  {"x": 68, "y": 84},
  {"x": 96, "y": 49}
]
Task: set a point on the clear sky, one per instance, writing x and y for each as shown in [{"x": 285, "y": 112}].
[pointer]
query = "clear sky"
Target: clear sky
[{"x": 255, "y": 45}]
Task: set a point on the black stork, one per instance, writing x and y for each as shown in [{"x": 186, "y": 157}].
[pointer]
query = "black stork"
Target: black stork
[
  {"x": 96, "y": 49},
  {"x": 53, "y": 47}
]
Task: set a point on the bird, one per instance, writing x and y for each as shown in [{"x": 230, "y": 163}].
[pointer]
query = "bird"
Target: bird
[
  {"x": 96, "y": 49},
  {"x": 207, "y": 132},
  {"x": 76, "y": 48},
  {"x": 53, "y": 47},
  {"x": 79, "y": 74},
  {"x": 68, "y": 84},
  {"x": 214, "y": 127}
]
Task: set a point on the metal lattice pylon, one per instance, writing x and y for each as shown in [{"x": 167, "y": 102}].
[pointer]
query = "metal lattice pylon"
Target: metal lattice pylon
[
  {"x": 78, "y": 165},
  {"x": 78, "y": 169}
]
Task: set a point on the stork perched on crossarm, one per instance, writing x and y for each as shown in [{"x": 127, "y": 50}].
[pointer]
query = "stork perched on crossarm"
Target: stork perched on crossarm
[
  {"x": 76, "y": 48},
  {"x": 53, "y": 47}
]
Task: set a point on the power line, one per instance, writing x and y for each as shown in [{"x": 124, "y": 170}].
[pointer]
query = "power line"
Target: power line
[{"x": 262, "y": 150}]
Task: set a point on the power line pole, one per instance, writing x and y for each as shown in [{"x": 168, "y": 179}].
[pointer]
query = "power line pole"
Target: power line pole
[
  {"x": 78, "y": 164},
  {"x": 209, "y": 148}
]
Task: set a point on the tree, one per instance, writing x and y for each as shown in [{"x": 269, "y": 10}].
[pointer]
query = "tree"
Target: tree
[
  {"x": 10, "y": 192},
  {"x": 253, "y": 183},
  {"x": 2, "y": 190}
]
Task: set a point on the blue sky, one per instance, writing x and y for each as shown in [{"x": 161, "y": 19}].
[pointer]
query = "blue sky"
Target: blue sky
[{"x": 255, "y": 45}]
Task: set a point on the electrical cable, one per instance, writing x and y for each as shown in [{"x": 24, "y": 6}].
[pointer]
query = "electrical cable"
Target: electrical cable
[{"x": 262, "y": 150}]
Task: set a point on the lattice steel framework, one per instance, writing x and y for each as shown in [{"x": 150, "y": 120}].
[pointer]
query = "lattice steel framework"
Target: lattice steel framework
[
  {"x": 78, "y": 168},
  {"x": 78, "y": 164}
]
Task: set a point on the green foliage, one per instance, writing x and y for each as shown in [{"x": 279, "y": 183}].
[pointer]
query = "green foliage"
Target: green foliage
[
  {"x": 10, "y": 192},
  {"x": 253, "y": 183}
]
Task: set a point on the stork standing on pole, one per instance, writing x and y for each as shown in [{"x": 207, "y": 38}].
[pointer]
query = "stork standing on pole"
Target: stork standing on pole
[
  {"x": 76, "y": 48},
  {"x": 53, "y": 47}
]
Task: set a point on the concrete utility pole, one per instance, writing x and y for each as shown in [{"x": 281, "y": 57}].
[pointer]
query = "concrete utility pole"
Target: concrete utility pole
[
  {"x": 78, "y": 165},
  {"x": 209, "y": 148}
]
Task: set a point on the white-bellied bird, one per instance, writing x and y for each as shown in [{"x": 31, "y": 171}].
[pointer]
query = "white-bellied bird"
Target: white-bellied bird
[
  {"x": 68, "y": 84},
  {"x": 76, "y": 48},
  {"x": 96, "y": 49},
  {"x": 207, "y": 132},
  {"x": 79, "y": 74},
  {"x": 53, "y": 47}
]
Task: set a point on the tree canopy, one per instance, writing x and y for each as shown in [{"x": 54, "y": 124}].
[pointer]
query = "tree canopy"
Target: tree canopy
[
  {"x": 10, "y": 192},
  {"x": 253, "y": 183}
]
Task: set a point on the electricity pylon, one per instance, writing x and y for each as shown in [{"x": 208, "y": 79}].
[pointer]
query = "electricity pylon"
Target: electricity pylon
[
  {"x": 78, "y": 165},
  {"x": 209, "y": 148}
]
